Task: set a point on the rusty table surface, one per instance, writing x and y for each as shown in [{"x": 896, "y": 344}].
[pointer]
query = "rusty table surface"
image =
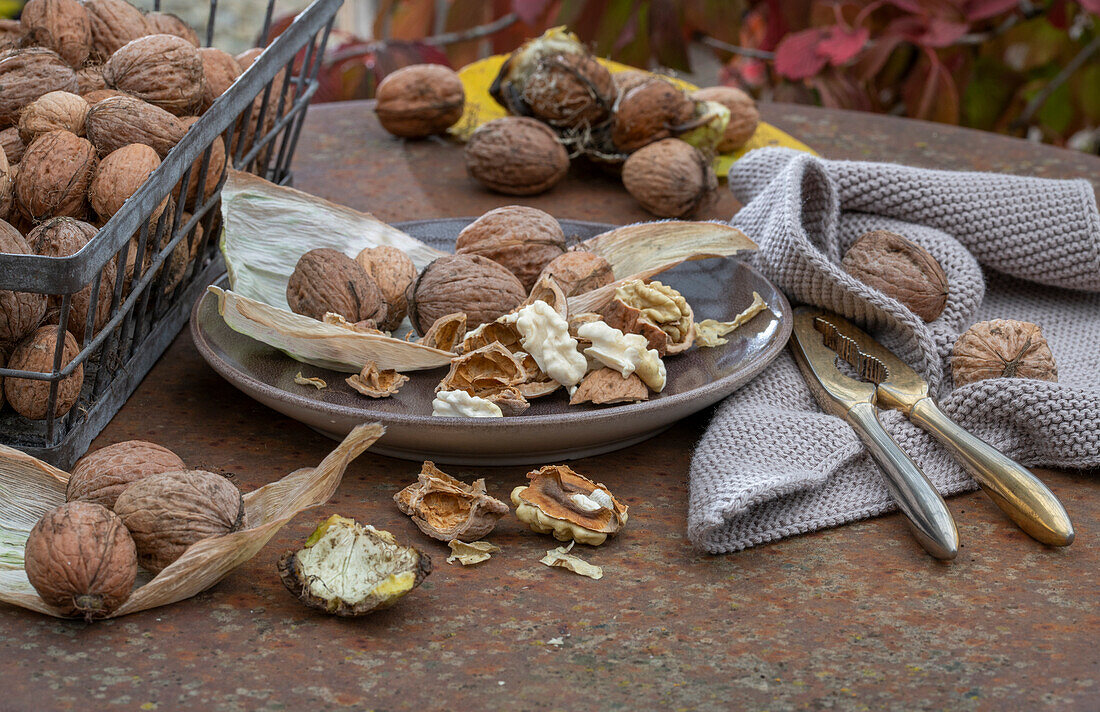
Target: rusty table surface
[{"x": 852, "y": 618}]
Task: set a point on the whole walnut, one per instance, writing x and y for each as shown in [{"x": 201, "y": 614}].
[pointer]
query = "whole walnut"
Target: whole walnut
[
  {"x": 165, "y": 23},
  {"x": 26, "y": 74},
  {"x": 20, "y": 312},
  {"x": 630, "y": 78},
  {"x": 11, "y": 33},
  {"x": 220, "y": 69},
  {"x": 60, "y": 25},
  {"x": 900, "y": 269},
  {"x": 118, "y": 121},
  {"x": 393, "y": 272},
  {"x": 215, "y": 169},
  {"x": 571, "y": 91},
  {"x": 471, "y": 284},
  {"x": 648, "y": 113},
  {"x": 419, "y": 100},
  {"x": 744, "y": 117},
  {"x": 164, "y": 70},
  {"x": 90, "y": 79},
  {"x": 168, "y": 512},
  {"x": 102, "y": 475},
  {"x": 81, "y": 560},
  {"x": 119, "y": 176},
  {"x": 114, "y": 23},
  {"x": 516, "y": 155},
  {"x": 578, "y": 271},
  {"x": 54, "y": 176},
  {"x": 521, "y": 239},
  {"x": 1002, "y": 348},
  {"x": 670, "y": 178},
  {"x": 61, "y": 237},
  {"x": 326, "y": 280},
  {"x": 58, "y": 110},
  {"x": 30, "y": 398}
]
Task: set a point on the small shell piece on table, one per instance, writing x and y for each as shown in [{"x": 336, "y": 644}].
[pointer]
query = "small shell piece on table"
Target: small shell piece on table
[
  {"x": 561, "y": 558},
  {"x": 568, "y": 505},
  {"x": 446, "y": 508},
  {"x": 471, "y": 553},
  {"x": 377, "y": 384},
  {"x": 605, "y": 386}
]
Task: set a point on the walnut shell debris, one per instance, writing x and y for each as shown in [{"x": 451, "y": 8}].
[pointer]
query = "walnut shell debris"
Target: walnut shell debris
[
  {"x": 900, "y": 269},
  {"x": 485, "y": 372},
  {"x": 118, "y": 121},
  {"x": 26, "y": 74},
  {"x": 605, "y": 386},
  {"x": 546, "y": 290},
  {"x": 62, "y": 237},
  {"x": 326, "y": 280},
  {"x": 419, "y": 100},
  {"x": 114, "y": 23},
  {"x": 520, "y": 238},
  {"x": 54, "y": 176},
  {"x": 579, "y": 271},
  {"x": 220, "y": 69},
  {"x": 670, "y": 178},
  {"x": 446, "y": 333},
  {"x": 81, "y": 560},
  {"x": 164, "y": 70},
  {"x": 30, "y": 398},
  {"x": 1002, "y": 348},
  {"x": 568, "y": 505},
  {"x": 165, "y": 23},
  {"x": 102, "y": 475},
  {"x": 744, "y": 117},
  {"x": 656, "y": 311},
  {"x": 60, "y": 25},
  {"x": 516, "y": 155},
  {"x": 446, "y": 508},
  {"x": 648, "y": 113},
  {"x": 52, "y": 112},
  {"x": 119, "y": 176},
  {"x": 393, "y": 271},
  {"x": 571, "y": 91},
  {"x": 20, "y": 312},
  {"x": 169, "y": 511},
  {"x": 377, "y": 384},
  {"x": 474, "y": 285}
]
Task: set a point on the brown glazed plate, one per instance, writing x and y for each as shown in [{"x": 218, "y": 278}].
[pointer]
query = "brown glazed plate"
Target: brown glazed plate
[{"x": 551, "y": 430}]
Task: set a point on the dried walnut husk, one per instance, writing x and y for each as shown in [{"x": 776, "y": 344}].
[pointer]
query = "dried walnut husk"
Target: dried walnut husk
[
  {"x": 516, "y": 155},
  {"x": 657, "y": 312},
  {"x": 419, "y": 100},
  {"x": 605, "y": 386},
  {"x": 570, "y": 91},
  {"x": 900, "y": 269},
  {"x": 474, "y": 285},
  {"x": 744, "y": 116},
  {"x": 1002, "y": 348},
  {"x": 81, "y": 560},
  {"x": 568, "y": 505},
  {"x": 446, "y": 508},
  {"x": 30, "y": 398},
  {"x": 61, "y": 237},
  {"x": 670, "y": 178},
  {"x": 578, "y": 271},
  {"x": 377, "y": 384},
  {"x": 649, "y": 112},
  {"x": 326, "y": 280},
  {"x": 393, "y": 271},
  {"x": 102, "y": 475},
  {"x": 521, "y": 239},
  {"x": 349, "y": 569},
  {"x": 170, "y": 511}
]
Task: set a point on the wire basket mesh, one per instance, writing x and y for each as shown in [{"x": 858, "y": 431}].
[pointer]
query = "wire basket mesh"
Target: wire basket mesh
[{"x": 140, "y": 274}]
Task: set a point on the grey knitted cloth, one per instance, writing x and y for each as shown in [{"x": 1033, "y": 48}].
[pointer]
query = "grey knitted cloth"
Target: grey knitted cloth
[{"x": 772, "y": 464}]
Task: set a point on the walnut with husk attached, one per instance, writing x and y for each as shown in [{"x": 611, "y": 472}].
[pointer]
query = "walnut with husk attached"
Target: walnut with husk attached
[
  {"x": 446, "y": 508},
  {"x": 325, "y": 280},
  {"x": 648, "y": 113},
  {"x": 491, "y": 372},
  {"x": 377, "y": 384},
  {"x": 656, "y": 311},
  {"x": 1002, "y": 348},
  {"x": 605, "y": 386},
  {"x": 744, "y": 117},
  {"x": 350, "y": 569},
  {"x": 568, "y": 505},
  {"x": 520, "y": 238},
  {"x": 579, "y": 271}
]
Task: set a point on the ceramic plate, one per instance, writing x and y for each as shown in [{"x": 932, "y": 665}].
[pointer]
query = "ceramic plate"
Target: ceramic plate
[{"x": 551, "y": 430}]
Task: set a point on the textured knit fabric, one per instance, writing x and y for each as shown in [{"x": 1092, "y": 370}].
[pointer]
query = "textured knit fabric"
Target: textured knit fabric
[{"x": 772, "y": 464}]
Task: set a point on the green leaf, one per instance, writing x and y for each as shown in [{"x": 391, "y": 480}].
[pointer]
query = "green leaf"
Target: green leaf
[
  {"x": 1057, "y": 111},
  {"x": 1087, "y": 82},
  {"x": 987, "y": 94}
]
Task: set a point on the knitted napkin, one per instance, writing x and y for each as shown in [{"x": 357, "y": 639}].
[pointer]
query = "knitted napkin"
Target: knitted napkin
[{"x": 771, "y": 464}]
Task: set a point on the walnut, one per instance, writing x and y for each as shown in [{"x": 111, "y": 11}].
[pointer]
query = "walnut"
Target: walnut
[
  {"x": 579, "y": 271},
  {"x": 97, "y": 95},
  {"x": 446, "y": 333},
  {"x": 164, "y": 70},
  {"x": 90, "y": 79},
  {"x": 393, "y": 271},
  {"x": 52, "y": 112},
  {"x": 377, "y": 384},
  {"x": 61, "y": 237},
  {"x": 744, "y": 116},
  {"x": 114, "y": 23},
  {"x": 474, "y": 285},
  {"x": 419, "y": 100},
  {"x": 30, "y": 398},
  {"x": 81, "y": 560},
  {"x": 119, "y": 176},
  {"x": 117, "y": 121},
  {"x": 656, "y": 311},
  {"x": 168, "y": 512},
  {"x": 900, "y": 269},
  {"x": 165, "y": 23},
  {"x": 445, "y": 508},
  {"x": 102, "y": 475},
  {"x": 348, "y": 569},
  {"x": 54, "y": 176},
  {"x": 11, "y": 145},
  {"x": 326, "y": 280},
  {"x": 1002, "y": 348},
  {"x": 20, "y": 312},
  {"x": 604, "y": 386},
  {"x": 11, "y": 33},
  {"x": 26, "y": 74},
  {"x": 649, "y": 112},
  {"x": 516, "y": 155},
  {"x": 220, "y": 69},
  {"x": 60, "y": 25},
  {"x": 7, "y": 187},
  {"x": 570, "y": 91},
  {"x": 521, "y": 239},
  {"x": 568, "y": 505},
  {"x": 630, "y": 78},
  {"x": 670, "y": 178}
]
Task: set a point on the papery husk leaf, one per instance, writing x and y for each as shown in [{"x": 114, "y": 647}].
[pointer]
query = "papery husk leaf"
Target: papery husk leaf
[
  {"x": 470, "y": 553},
  {"x": 639, "y": 248},
  {"x": 267, "y": 227},
  {"x": 323, "y": 345},
  {"x": 29, "y": 487},
  {"x": 560, "y": 557}
]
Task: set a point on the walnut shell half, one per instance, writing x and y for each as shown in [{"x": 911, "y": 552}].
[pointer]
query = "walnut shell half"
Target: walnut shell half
[
  {"x": 568, "y": 505},
  {"x": 1002, "y": 348},
  {"x": 900, "y": 269},
  {"x": 446, "y": 508}
]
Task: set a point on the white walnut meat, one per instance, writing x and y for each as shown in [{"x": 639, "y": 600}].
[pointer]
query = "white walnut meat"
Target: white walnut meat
[
  {"x": 1002, "y": 348},
  {"x": 350, "y": 569},
  {"x": 446, "y": 508},
  {"x": 460, "y": 404},
  {"x": 504, "y": 332},
  {"x": 568, "y": 505},
  {"x": 544, "y": 334},
  {"x": 606, "y": 386},
  {"x": 377, "y": 384},
  {"x": 657, "y": 312},
  {"x": 624, "y": 353}
]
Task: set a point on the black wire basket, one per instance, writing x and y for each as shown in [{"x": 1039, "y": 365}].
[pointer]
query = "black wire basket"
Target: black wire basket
[{"x": 258, "y": 120}]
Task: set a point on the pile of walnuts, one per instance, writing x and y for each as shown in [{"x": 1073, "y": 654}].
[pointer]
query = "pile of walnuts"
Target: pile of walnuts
[
  {"x": 93, "y": 95},
  {"x": 563, "y": 104},
  {"x": 130, "y": 504}
]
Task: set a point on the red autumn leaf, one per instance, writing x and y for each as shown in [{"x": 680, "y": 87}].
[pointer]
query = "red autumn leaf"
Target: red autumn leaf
[
  {"x": 941, "y": 32},
  {"x": 930, "y": 92},
  {"x": 977, "y": 10},
  {"x": 915, "y": 7},
  {"x": 530, "y": 11},
  {"x": 842, "y": 44},
  {"x": 1058, "y": 16},
  {"x": 1092, "y": 6},
  {"x": 797, "y": 57}
]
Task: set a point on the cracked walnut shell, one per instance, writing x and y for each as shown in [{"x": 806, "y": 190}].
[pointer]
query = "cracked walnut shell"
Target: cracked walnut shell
[
  {"x": 605, "y": 386},
  {"x": 900, "y": 269},
  {"x": 102, "y": 475},
  {"x": 446, "y": 508},
  {"x": 377, "y": 384},
  {"x": 1002, "y": 348},
  {"x": 568, "y": 505},
  {"x": 484, "y": 371},
  {"x": 657, "y": 312}
]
